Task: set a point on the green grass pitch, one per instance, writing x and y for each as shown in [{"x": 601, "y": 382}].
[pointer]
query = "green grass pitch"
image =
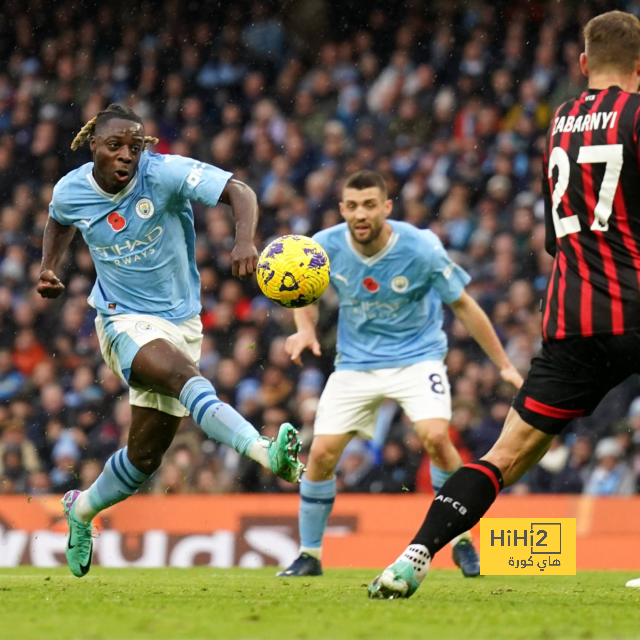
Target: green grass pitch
[{"x": 163, "y": 604}]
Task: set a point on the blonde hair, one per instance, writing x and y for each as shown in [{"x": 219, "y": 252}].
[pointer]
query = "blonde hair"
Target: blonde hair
[
  {"x": 112, "y": 112},
  {"x": 612, "y": 40}
]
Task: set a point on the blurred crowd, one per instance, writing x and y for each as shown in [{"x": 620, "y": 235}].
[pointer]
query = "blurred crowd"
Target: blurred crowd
[{"x": 449, "y": 101}]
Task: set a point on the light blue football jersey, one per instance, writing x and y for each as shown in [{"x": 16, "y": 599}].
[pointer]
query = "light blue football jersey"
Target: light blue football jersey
[
  {"x": 142, "y": 239},
  {"x": 391, "y": 303}
]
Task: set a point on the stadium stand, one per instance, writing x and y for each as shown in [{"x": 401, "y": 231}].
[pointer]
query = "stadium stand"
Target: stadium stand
[{"x": 451, "y": 106}]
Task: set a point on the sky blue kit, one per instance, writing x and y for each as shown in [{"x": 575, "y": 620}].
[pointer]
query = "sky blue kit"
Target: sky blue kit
[
  {"x": 142, "y": 239},
  {"x": 391, "y": 303}
]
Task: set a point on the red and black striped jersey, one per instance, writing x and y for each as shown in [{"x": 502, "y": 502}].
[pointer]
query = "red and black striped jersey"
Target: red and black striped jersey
[{"x": 591, "y": 186}]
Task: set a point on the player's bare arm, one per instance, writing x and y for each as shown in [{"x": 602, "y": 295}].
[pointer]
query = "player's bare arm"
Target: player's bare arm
[
  {"x": 161, "y": 366},
  {"x": 590, "y": 340},
  {"x": 57, "y": 238},
  {"x": 244, "y": 205},
  {"x": 476, "y": 322},
  {"x": 305, "y": 336}
]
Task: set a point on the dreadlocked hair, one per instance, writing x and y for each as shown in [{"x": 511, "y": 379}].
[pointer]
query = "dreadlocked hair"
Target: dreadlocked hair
[{"x": 112, "y": 112}]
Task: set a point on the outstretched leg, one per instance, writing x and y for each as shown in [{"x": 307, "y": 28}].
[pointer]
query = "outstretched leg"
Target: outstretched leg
[
  {"x": 464, "y": 498},
  {"x": 317, "y": 494},
  {"x": 161, "y": 367},
  {"x": 444, "y": 462},
  {"x": 469, "y": 493}
]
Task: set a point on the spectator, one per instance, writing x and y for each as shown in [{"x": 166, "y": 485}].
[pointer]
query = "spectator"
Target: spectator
[
  {"x": 39, "y": 484},
  {"x": 13, "y": 440},
  {"x": 89, "y": 472},
  {"x": 544, "y": 475},
  {"x": 65, "y": 456},
  {"x": 171, "y": 480},
  {"x": 11, "y": 380},
  {"x": 354, "y": 465},
  {"x": 13, "y": 470},
  {"x": 394, "y": 475},
  {"x": 612, "y": 476},
  {"x": 207, "y": 481},
  {"x": 573, "y": 477},
  {"x": 454, "y": 117}
]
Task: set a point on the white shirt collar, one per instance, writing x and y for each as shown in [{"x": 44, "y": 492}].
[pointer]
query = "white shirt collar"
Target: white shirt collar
[
  {"x": 114, "y": 197},
  {"x": 371, "y": 260}
]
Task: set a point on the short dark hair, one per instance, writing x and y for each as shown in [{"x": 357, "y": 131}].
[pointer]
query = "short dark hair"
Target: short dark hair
[
  {"x": 364, "y": 180},
  {"x": 612, "y": 40}
]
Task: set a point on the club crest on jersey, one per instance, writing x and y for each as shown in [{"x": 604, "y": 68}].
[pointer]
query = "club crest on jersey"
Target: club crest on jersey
[
  {"x": 370, "y": 284},
  {"x": 144, "y": 208},
  {"x": 116, "y": 221},
  {"x": 400, "y": 284}
]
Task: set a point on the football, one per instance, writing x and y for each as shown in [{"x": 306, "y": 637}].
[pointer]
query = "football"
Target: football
[{"x": 293, "y": 271}]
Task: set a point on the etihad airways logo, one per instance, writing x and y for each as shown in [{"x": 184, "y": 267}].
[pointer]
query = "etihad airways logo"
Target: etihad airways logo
[{"x": 129, "y": 251}]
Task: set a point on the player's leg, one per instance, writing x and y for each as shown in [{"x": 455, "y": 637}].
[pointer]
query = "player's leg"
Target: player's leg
[
  {"x": 444, "y": 457},
  {"x": 348, "y": 406},
  {"x": 317, "y": 495},
  {"x": 158, "y": 356},
  {"x": 444, "y": 461},
  {"x": 567, "y": 380},
  {"x": 464, "y": 498},
  {"x": 150, "y": 435},
  {"x": 424, "y": 393},
  {"x": 468, "y": 494}
]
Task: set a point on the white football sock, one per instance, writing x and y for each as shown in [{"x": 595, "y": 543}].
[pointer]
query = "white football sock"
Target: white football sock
[
  {"x": 313, "y": 552},
  {"x": 82, "y": 508},
  {"x": 463, "y": 536},
  {"x": 258, "y": 451},
  {"x": 418, "y": 556}
]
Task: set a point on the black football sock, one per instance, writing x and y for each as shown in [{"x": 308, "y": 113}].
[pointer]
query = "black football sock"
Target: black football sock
[{"x": 464, "y": 498}]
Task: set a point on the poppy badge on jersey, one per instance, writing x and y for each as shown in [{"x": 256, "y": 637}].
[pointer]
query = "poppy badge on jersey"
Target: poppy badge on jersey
[
  {"x": 144, "y": 208},
  {"x": 116, "y": 221},
  {"x": 370, "y": 284}
]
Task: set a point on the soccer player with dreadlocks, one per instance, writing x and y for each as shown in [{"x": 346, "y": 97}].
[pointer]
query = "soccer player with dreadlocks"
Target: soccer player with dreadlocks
[{"x": 132, "y": 208}]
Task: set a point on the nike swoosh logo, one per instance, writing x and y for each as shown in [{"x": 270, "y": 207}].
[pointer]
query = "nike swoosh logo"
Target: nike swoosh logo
[
  {"x": 85, "y": 567},
  {"x": 69, "y": 545}
]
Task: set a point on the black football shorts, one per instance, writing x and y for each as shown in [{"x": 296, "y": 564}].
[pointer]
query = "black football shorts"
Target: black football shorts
[{"x": 569, "y": 377}]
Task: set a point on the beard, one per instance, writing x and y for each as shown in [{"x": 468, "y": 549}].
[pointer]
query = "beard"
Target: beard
[{"x": 375, "y": 229}]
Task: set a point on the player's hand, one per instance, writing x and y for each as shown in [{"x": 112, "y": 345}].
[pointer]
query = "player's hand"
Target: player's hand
[
  {"x": 49, "y": 286},
  {"x": 511, "y": 375},
  {"x": 300, "y": 341},
  {"x": 244, "y": 260}
]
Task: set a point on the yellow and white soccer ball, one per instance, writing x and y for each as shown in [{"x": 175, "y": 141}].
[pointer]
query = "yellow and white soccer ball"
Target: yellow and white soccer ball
[{"x": 293, "y": 271}]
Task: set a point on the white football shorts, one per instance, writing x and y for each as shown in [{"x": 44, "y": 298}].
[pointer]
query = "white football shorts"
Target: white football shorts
[
  {"x": 121, "y": 337},
  {"x": 351, "y": 399}
]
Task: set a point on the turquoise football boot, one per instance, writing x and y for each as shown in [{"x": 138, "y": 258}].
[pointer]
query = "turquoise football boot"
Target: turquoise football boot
[
  {"x": 79, "y": 549},
  {"x": 283, "y": 454},
  {"x": 396, "y": 581}
]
